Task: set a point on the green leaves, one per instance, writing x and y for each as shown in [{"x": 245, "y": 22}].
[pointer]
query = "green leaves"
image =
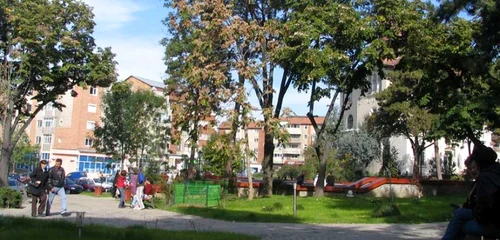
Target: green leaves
[
  {"x": 46, "y": 49},
  {"x": 132, "y": 123}
]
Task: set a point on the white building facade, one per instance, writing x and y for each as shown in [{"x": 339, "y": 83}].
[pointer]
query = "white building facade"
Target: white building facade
[{"x": 364, "y": 106}]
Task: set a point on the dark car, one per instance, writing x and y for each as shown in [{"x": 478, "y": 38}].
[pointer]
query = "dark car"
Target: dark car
[
  {"x": 15, "y": 185},
  {"x": 76, "y": 175},
  {"x": 87, "y": 183},
  {"x": 71, "y": 187}
]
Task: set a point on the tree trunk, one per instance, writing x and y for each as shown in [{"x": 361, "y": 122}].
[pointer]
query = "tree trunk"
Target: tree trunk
[
  {"x": 7, "y": 147},
  {"x": 249, "y": 169},
  {"x": 437, "y": 159},
  {"x": 266, "y": 188},
  {"x": 250, "y": 181},
  {"x": 319, "y": 190},
  {"x": 4, "y": 164},
  {"x": 416, "y": 163}
]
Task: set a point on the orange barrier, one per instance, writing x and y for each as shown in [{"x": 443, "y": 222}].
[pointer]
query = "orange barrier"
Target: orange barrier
[{"x": 363, "y": 185}]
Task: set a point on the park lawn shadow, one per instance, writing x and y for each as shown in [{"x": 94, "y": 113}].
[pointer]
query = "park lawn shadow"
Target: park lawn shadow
[
  {"x": 237, "y": 215},
  {"x": 413, "y": 211}
]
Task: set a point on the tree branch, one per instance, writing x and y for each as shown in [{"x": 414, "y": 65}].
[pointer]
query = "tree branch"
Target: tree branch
[{"x": 285, "y": 83}]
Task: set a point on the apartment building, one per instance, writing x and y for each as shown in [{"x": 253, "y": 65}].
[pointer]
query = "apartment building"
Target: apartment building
[
  {"x": 255, "y": 142},
  {"x": 176, "y": 153},
  {"x": 67, "y": 134},
  {"x": 363, "y": 106},
  {"x": 302, "y": 135}
]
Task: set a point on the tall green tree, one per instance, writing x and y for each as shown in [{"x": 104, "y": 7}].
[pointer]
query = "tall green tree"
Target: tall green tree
[
  {"x": 331, "y": 47},
  {"x": 476, "y": 75},
  {"x": 132, "y": 124},
  {"x": 46, "y": 49},
  {"x": 150, "y": 132},
  {"x": 113, "y": 136}
]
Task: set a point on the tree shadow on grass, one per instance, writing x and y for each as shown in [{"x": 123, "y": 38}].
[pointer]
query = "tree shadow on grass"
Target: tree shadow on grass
[{"x": 237, "y": 215}]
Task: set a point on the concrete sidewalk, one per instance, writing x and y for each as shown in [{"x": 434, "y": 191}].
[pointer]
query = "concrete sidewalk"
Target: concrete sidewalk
[{"x": 106, "y": 211}]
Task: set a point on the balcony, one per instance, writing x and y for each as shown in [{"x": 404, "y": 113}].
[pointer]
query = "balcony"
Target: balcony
[
  {"x": 47, "y": 130},
  {"x": 294, "y": 131}
]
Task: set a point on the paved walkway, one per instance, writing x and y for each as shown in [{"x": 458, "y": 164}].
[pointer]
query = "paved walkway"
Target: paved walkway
[{"x": 106, "y": 211}]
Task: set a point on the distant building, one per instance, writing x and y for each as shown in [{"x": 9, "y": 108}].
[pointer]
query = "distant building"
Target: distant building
[
  {"x": 301, "y": 132},
  {"x": 363, "y": 106},
  {"x": 68, "y": 134},
  {"x": 175, "y": 154}
]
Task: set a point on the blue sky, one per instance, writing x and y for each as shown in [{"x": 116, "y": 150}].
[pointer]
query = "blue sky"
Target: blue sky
[{"x": 133, "y": 29}]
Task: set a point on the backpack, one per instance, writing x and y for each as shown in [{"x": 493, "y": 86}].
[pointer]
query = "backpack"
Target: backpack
[{"x": 140, "y": 178}]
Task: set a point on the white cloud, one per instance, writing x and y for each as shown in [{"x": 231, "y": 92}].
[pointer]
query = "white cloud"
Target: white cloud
[
  {"x": 113, "y": 14},
  {"x": 140, "y": 56}
]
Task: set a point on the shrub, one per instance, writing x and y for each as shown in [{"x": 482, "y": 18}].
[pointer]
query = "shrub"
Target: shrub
[
  {"x": 10, "y": 198},
  {"x": 386, "y": 210}
]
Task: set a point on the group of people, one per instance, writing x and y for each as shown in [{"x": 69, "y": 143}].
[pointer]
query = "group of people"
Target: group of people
[
  {"x": 47, "y": 181},
  {"x": 140, "y": 187},
  {"x": 480, "y": 214}
]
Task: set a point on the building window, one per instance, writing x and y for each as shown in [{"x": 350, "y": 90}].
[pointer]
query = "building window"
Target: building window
[
  {"x": 47, "y": 139},
  {"x": 39, "y": 123},
  {"x": 45, "y": 156},
  {"x": 256, "y": 140},
  {"x": 88, "y": 142},
  {"x": 93, "y": 91},
  {"x": 350, "y": 122},
  {"x": 49, "y": 122},
  {"x": 92, "y": 108},
  {"x": 38, "y": 140},
  {"x": 90, "y": 125},
  {"x": 305, "y": 136},
  {"x": 305, "y": 126}
]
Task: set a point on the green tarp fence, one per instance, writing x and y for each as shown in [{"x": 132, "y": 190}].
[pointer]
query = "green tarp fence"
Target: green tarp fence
[{"x": 197, "y": 194}]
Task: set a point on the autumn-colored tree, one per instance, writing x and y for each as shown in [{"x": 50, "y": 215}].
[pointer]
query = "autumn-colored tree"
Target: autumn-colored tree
[
  {"x": 46, "y": 49},
  {"x": 197, "y": 65},
  {"x": 217, "y": 36}
]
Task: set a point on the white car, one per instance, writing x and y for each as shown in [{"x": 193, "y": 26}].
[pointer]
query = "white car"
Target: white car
[{"x": 106, "y": 185}]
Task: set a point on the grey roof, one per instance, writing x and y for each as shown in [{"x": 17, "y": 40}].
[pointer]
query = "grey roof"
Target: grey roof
[{"x": 150, "y": 82}]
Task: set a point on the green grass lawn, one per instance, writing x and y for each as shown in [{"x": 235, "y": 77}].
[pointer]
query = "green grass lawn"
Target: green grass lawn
[
  {"x": 26, "y": 228},
  {"x": 337, "y": 209}
]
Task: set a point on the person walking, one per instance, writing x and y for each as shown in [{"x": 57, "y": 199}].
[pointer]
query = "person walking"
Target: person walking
[
  {"x": 38, "y": 189},
  {"x": 133, "y": 187},
  {"x": 120, "y": 185},
  {"x": 140, "y": 190},
  {"x": 56, "y": 187}
]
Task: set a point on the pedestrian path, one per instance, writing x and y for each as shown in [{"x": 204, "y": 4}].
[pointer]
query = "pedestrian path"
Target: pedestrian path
[{"x": 106, "y": 211}]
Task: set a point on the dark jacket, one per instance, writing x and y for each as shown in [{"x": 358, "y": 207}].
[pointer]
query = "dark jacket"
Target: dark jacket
[
  {"x": 56, "y": 177},
  {"x": 41, "y": 175},
  {"x": 470, "y": 202},
  {"x": 487, "y": 204}
]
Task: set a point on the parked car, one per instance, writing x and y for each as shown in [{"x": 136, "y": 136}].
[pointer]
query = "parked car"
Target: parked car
[
  {"x": 76, "y": 175},
  {"x": 71, "y": 187},
  {"x": 15, "y": 185},
  {"x": 107, "y": 184},
  {"x": 87, "y": 183}
]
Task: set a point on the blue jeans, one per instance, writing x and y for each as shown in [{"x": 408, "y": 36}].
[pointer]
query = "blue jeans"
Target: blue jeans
[
  {"x": 62, "y": 196},
  {"x": 122, "y": 197},
  {"x": 463, "y": 223},
  {"x": 454, "y": 229},
  {"x": 474, "y": 228}
]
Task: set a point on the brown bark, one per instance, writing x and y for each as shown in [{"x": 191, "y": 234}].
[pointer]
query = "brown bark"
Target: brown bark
[{"x": 437, "y": 159}]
